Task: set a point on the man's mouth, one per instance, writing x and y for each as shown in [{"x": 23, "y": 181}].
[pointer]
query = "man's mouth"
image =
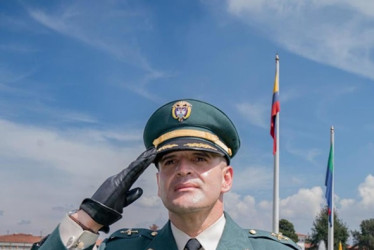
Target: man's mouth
[{"x": 185, "y": 186}]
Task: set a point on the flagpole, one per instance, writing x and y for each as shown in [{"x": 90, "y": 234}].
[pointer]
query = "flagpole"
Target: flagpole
[
  {"x": 331, "y": 227},
  {"x": 276, "y": 163}
]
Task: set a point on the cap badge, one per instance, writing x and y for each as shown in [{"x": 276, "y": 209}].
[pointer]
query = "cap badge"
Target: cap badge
[{"x": 181, "y": 110}]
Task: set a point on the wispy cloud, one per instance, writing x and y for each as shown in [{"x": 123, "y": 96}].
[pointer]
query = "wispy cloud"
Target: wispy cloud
[
  {"x": 68, "y": 24},
  {"x": 24, "y": 222},
  {"x": 256, "y": 113},
  {"x": 74, "y": 22},
  {"x": 141, "y": 87},
  {"x": 309, "y": 155},
  {"x": 259, "y": 176},
  {"x": 18, "y": 48},
  {"x": 336, "y": 33}
]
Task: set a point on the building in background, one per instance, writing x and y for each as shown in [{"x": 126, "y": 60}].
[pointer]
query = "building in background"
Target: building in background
[{"x": 17, "y": 241}]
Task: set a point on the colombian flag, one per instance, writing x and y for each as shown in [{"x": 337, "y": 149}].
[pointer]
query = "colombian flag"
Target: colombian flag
[
  {"x": 275, "y": 108},
  {"x": 328, "y": 183}
]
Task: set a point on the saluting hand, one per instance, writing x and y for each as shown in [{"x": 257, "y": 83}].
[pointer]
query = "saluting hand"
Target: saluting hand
[{"x": 106, "y": 205}]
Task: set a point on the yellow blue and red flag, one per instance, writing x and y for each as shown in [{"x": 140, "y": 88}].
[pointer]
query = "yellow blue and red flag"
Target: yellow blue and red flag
[{"x": 275, "y": 108}]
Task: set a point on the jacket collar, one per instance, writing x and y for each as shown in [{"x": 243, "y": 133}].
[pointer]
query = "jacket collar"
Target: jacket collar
[{"x": 233, "y": 237}]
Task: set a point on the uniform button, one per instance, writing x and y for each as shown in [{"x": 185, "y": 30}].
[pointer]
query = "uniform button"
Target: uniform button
[
  {"x": 80, "y": 245},
  {"x": 252, "y": 231},
  {"x": 154, "y": 233}
]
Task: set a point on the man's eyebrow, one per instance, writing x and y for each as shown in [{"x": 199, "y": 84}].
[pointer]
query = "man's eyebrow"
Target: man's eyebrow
[
  {"x": 167, "y": 156},
  {"x": 202, "y": 153}
]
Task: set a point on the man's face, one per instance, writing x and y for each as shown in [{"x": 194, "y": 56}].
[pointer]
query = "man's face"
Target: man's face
[{"x": 189, "y": 181}]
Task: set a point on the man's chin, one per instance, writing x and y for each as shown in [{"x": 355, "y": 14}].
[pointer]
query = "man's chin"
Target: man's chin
[{"x": 184, "y": 205}]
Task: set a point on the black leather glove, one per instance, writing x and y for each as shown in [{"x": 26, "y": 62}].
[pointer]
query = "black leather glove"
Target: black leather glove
[{"x": 106, "y": 205}]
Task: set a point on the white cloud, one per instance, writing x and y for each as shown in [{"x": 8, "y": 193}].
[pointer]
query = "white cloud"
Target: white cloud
[
  {"x": 353, "y": 211},
  {"x": 47, "y": 168},
  {"x": 305, "y": 200},
  {"x": 366, "y": 191},
  {"x": 337, "y": 33},
  {"x": 366, "y": 197},
  {"x": 300, "y": 209},
  {"x": 52, "y": 171}
]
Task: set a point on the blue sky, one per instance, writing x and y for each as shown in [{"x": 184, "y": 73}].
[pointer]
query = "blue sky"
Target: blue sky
[{"x": 79, "y": 79}]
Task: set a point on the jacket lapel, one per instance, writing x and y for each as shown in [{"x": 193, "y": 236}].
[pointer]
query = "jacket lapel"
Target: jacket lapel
[
  {"x": 164, "y": 239},
  {"x": 233, "y": 237}
]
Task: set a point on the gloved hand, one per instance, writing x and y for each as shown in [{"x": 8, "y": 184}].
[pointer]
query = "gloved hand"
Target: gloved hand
[{"x": 106, "y": 205}]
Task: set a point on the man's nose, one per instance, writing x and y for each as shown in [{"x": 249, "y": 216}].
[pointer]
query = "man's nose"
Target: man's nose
[{"x": 184, "y": 167}]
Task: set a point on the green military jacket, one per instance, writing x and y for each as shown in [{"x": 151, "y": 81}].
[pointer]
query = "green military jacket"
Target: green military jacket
[{"x": 233, "y": 238}]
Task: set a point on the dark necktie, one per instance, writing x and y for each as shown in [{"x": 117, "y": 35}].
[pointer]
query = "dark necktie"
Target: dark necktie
[{"x": 192, "y": 244}]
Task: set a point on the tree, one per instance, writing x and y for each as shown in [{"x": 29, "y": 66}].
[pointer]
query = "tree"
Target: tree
[
  {"x": 287, "y": 229},
  {"x": 364, "y": 239},
  {"x": 320, "y": 229}
]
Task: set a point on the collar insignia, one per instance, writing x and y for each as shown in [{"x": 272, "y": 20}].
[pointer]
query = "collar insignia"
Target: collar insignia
[{"x": 181, "y": 110}]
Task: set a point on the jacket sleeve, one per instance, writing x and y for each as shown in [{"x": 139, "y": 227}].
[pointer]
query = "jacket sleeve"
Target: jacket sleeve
[{"x": 68, "y": 235}]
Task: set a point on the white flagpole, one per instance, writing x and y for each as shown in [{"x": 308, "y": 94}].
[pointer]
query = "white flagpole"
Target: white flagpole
[
  {"x": 276, "y": 165},
  {"x": 330, "y": 240}
]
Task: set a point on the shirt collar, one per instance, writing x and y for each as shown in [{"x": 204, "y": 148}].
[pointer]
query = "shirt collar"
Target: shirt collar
[{"x": 208, "y": 239}]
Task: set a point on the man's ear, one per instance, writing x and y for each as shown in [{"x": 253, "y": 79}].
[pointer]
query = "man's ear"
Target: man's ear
[
  {"x": 228, "y": 174},
  {"x": 158, "y": 184}
]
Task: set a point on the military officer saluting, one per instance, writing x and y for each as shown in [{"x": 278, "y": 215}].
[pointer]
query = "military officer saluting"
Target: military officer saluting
[{"x": 191, "y": 143}]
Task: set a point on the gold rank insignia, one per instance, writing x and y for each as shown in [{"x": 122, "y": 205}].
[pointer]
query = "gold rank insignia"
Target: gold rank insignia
[
  {"x": 181, "y": 110},
  {"x": 130, "y": 232},
  {"x": 279, "y": 236}
]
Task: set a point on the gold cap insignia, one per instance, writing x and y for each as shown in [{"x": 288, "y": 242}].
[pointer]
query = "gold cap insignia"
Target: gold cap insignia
[{"x": 181, "y": 110}]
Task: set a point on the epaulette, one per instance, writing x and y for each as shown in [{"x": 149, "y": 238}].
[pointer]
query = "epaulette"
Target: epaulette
[{"x": 277, "y": 237}]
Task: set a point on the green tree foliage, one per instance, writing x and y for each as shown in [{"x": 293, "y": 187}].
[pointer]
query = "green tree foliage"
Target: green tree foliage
[
  {"x": 364, "y": 239},
  {"x": 320, "y": 230},
  {"x": 287, "y": 229}
]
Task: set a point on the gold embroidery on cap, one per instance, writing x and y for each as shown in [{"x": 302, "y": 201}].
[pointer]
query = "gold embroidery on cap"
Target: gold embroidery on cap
[
  {"x": 199, "y": 145},
  {"x": 167, "y": 147},
  {"x": 191, "y": 133},
  {"x": 181, "y": 110}
]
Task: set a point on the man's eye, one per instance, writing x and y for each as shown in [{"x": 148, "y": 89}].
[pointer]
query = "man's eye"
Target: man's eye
[
  {"x": 200, "y": 159},
  {"x": 169, "y": 162}
]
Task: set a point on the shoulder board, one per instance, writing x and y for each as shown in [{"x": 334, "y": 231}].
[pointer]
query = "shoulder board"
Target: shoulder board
[{"x": 260, "y": 234}]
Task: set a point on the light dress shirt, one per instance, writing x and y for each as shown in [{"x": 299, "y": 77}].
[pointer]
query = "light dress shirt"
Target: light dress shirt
[
  {"x": 208, "y": 239},
  {"x": 74, "y": 237}
]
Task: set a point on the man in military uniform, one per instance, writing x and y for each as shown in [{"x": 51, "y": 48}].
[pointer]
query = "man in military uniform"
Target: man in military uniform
[{"x": 191, "y": 143}]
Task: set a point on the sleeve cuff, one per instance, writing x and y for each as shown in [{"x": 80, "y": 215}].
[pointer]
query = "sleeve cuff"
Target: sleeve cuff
[{"x": 74, "y": 237}]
